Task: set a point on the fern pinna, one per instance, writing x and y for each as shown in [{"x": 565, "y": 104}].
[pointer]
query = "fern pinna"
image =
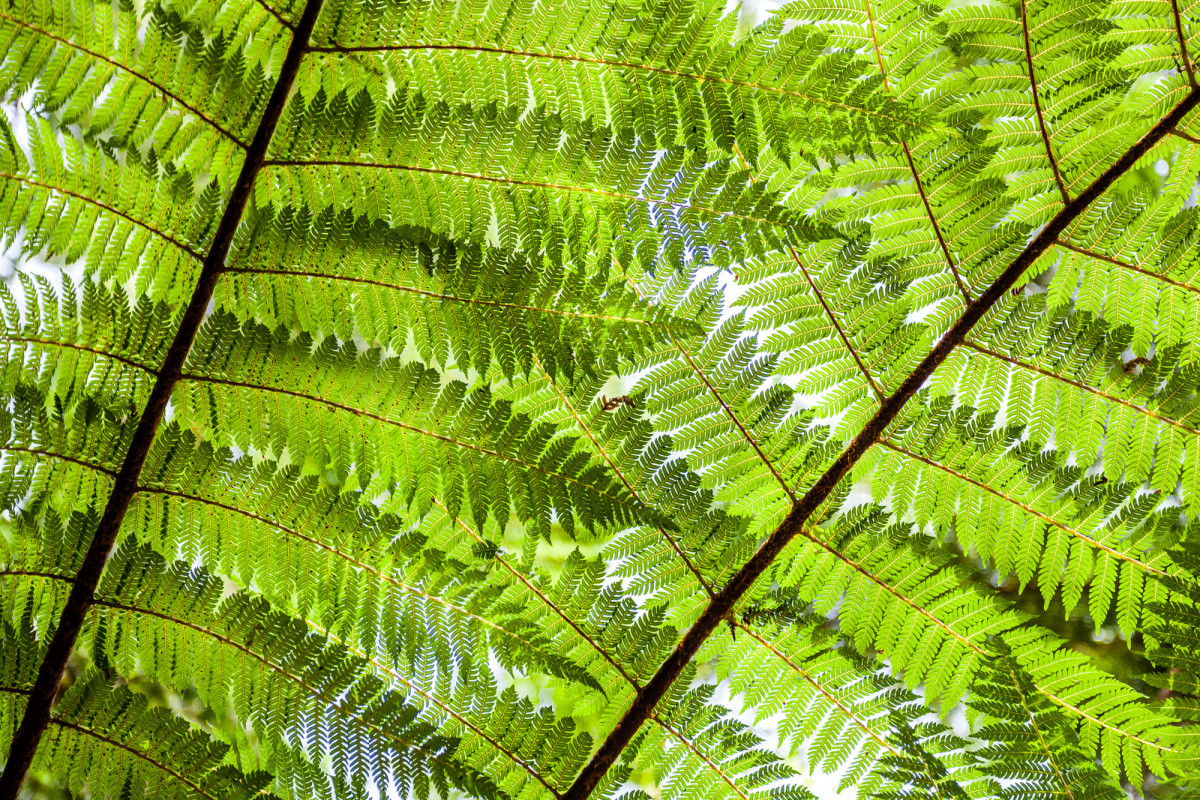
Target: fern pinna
[{"x": 616, "y": 399}]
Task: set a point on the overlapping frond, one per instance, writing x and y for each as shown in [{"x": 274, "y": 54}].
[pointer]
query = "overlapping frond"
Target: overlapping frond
[
  {"x": 464, "y": 305},
  {"x": 535, "y": 400},
  {"x": 188, "y": 86},
  {"x": 1031, "y": 746},
  {"x": 831, "y": 707},
  {"x": 70, "y": 199},
  {"x": 668, "y": 72},
  {"x": 1023, "y": 508},
  {"x": 922, "y": 611},
  {"x": 1028, "y": 747},
  {"x": 108, "y": 740}
]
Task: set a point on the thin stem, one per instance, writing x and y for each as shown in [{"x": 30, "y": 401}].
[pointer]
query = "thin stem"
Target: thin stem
[
  {"x": 879, "y": 395},
  {"x": 1082, "y": 386},
  {"x": 349, "y": 559},
  {"x": 531, "y": 586},
  {"x": 402, "y": 425},
  {"x": 86, "y": 731},
  {"x": 1083, "y": 251},
  {"x": 1037, "y": 106},
  {"x": 831, "y": 697},
  {"x": 47, "y": 454},
  {"x": 449, "y": 710},
  {"x": 696, "y": 752},
  {"x": 724, "y": 406},
  {"x": 279, "y": 17},
  {"x": 621, "y": 475},
  {"x": 558, "y": 187},
  {"x": 912, "y": 165},
  {"x": 1188, "y": 67},
  {"x": 24, "y": 573},
  {"x": 733, "y": 417},
  {"x": 1037, "y": 729},
  {"x": 837, "y": 327},
  {"x": 438, "y": 296},
  {"x": 602, "y": 62},
  {"x": 304, "y": 685},
  {"x": 78, "y": 347},
  {"x": 1187, "y": 137}
]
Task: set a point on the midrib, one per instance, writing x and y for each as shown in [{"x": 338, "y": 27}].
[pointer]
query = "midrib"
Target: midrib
[
  {"x": 37, "y": 709},
  {"x": 741, "y": 582}
]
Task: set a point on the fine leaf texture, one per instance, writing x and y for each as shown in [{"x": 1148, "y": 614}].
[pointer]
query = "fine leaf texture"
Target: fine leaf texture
[{"x": 661, "y": 400}]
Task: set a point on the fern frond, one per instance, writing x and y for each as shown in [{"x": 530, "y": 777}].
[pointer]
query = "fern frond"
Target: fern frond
[
  {"x": 68, "y": 199},
  {"x": 167, "y": 621},
  {"x": 1021, "y": 506},
  {"x": 1171, "y": 643},
  {"x": 468, "y": 305},
  {"x": 1032, "y": 749},
  {"x": 533, "y": 400},
  {"x": 829, "y": 705},
  {"x": 914, "y": 771},
  {"x": 420, "y": 433},
  {"x": 666, "y": 71},
  {"x": 107, "y": 741},
  {"x": 190, "y": 88},
  {"x": 924, "y": 613}
]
